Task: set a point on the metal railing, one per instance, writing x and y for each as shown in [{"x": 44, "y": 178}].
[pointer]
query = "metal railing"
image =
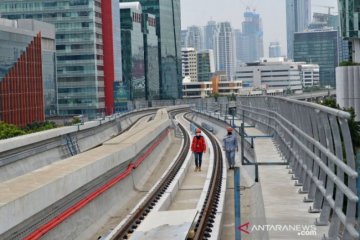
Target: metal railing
[{"x": 316, "y": 142}]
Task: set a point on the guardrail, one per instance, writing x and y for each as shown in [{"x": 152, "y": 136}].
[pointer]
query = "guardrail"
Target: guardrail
[{"x": 316, "y": 141}]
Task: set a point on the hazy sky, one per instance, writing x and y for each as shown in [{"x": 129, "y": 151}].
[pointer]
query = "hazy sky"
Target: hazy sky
[{"x": 272, "y": 12}]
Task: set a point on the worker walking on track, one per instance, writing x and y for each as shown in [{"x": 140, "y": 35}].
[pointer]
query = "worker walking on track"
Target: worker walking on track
[
  {"x": 198, "y": 147},
  {"x": 230, "y": 145}
]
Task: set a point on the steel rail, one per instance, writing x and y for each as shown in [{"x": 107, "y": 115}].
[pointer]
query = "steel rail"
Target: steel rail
[
  {"x": 139, "y": 215},
  {"x": 203, "y": 227}
]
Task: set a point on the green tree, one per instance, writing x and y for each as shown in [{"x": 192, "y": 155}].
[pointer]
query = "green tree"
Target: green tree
[
  {"x": 39, "y": 126},
  {"x": 330, "y": 102},
  {"x": 9, "y": 130},
  {"x": 215, "y": 95},
  {"x": 353, "y": 125},
  {"x": 76, "y": 120}
]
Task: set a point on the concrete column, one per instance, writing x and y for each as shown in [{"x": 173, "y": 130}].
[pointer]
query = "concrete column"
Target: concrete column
[
  {"x": 351, "y": 86},
  {"x": 356, "y": 50},
  {"x": 340, "y": 76},
  {"x": 346, "y": 86},
  {"x": 356, "y": 91}
]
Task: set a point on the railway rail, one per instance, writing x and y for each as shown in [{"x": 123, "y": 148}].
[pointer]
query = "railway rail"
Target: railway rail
[{"x": 204, "y": 223}]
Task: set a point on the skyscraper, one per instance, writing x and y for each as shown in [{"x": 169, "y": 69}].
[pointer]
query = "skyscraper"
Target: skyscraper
[
  {"x": 274, "y": 49},
  {"x": 306, "y": 49},
  {"x": 151, "y": 46},
  {"x": 224, "y": 48},
  {"x": 87, "y": 48},
  {"x": 168, "y": 22},
  {"x": 249, "y": 42},
  {"x": 132, "y": 39},
  {"x": 298, "y": 16},
  {"x": 209, "y": 34},
  {"x": 238, "y": 46},
  {"x": 195, "y": 38},
  {"x": 184, "y": 34}
]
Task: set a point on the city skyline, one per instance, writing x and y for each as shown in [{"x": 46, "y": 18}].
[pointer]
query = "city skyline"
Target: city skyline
[{"x": 234, "y": 14}]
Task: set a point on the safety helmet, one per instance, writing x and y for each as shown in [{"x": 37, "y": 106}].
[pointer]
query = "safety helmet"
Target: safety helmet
[
  {"x": 229, "y": 129},
  {"x": 198, "y": 130}
]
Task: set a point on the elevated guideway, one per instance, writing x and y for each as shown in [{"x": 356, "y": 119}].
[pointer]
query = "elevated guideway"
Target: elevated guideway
[
  {"x": 298, "y": 177},
  {"x": 81, "y": 179}
]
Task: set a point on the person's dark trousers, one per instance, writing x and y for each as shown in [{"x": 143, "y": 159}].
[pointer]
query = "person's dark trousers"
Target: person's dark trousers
[{"x": 198, "y": 158}]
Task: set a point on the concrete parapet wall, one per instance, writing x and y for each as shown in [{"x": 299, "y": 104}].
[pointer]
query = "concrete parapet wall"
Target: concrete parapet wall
[
  {"x": 23, "y": 154},
  {"x": 85, "y": 223},
  {"x": 28, "y": 194}
]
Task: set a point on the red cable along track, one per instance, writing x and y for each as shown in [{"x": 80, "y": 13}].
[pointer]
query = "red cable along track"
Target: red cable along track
[{"x": 47, "y": 227}]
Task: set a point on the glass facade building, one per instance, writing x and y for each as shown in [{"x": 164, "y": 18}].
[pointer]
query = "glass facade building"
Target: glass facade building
[
  {"x": 133, "y": 60},
  {"x": 298, "y": 16},
  {"x": 167, "y": 14},
  {"x": 350, "y": 18},
  {"x": 209, "y": 31},
  {"x": 151, "y": 57},
  {"x": 79, "y": 28},
  {"x": 205, "y": 65},
  {"x": 319, "y": 47},
  {"x": 195, "y": 38}
]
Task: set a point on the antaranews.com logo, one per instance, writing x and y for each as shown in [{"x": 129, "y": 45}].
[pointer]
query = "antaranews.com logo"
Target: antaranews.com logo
[{"x": 301, "y": 230}]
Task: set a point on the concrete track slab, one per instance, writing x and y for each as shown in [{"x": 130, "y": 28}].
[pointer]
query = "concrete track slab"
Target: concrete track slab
[
  {"x": 141, "y": 189},
  {"x": 190, "y": 190},
  {"x": 166, "y": 225}
]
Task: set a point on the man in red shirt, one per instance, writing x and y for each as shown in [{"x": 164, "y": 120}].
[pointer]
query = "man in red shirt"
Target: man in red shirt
[{"x": 198, "y": 147}]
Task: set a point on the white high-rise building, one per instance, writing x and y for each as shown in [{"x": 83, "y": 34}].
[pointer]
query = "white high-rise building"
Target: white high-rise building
[
  {"x": 189, "y": 63},
  {"x": 224, "y": 49},
  {"x": 298, "y": 17},
  {"x": 195, "y": 38}
]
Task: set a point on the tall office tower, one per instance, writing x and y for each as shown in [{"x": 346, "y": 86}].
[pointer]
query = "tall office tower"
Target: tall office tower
[
  {"x": 249, "y": 42},
  {"x": 87, "y": 48},
  {"x": 184, "y": 34},
  {"x": 298, "y": 16},
  {"x": 209, "y": 34},
  {"x": 274, "y": 50},
  {"x": 168, "y": 23},
  {"x": 195, "y": 38},
  {"x": 189, "y": 63},
  {"x": 238, "y": 45},
  {"x": 27, "y": 71},
  {"x": 132, "y": 39},
  {"x": 306, "y": 49},
  {"x": 325, "y": 21},
  {"x": 151, "y": 46},
  {"x": 224, "y": 48},
  {"x": 205, "y": 65}
]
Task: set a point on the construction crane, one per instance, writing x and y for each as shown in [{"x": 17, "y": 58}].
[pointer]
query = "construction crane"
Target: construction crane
[{"x": 328, "y": 7}]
